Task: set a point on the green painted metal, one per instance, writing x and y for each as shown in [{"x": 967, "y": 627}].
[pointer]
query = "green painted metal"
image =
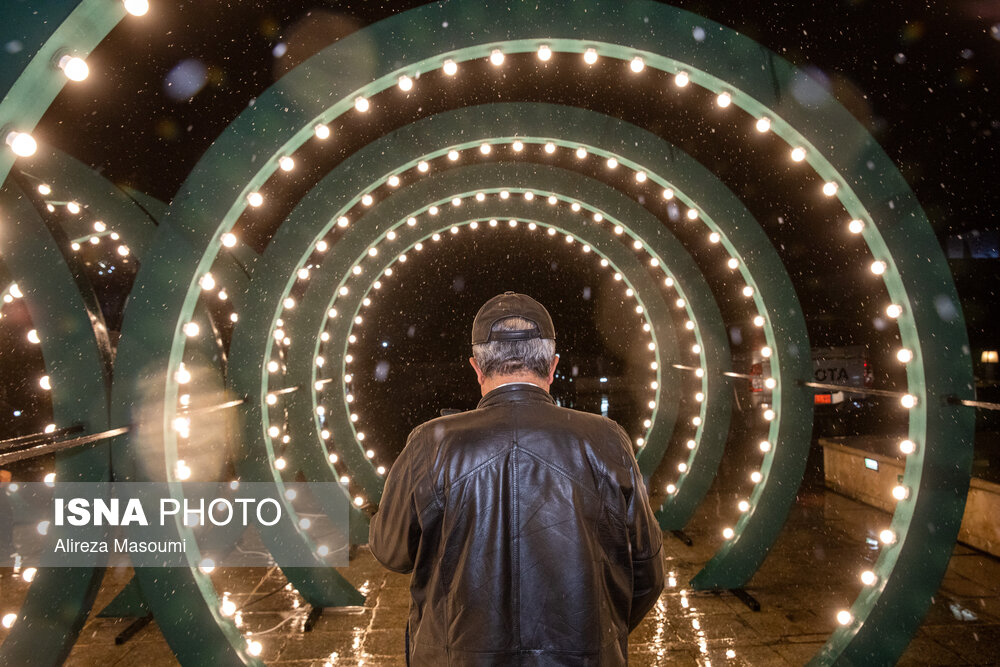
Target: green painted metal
[
  {"x": 129, "y": 603},
  {"x": 30, "y": 83},
  {"x": 468, "y": 124},
  {"x": 70, "y": 179},
  {"x": 309, "y": 316},
  {"x": 75, "y": 348}
]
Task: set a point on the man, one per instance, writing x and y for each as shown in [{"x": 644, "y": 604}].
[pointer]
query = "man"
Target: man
[{"x": 526, "y": 525}]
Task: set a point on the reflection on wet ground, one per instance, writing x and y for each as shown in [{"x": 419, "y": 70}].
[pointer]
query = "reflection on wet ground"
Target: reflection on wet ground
[{"x": 812, "y": 572}]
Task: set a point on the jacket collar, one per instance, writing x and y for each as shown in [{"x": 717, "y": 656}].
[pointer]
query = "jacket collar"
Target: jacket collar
[{"x": 520, "y": 391}]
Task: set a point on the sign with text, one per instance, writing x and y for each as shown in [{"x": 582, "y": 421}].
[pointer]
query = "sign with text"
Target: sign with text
[{"x": 151, "y": 524}]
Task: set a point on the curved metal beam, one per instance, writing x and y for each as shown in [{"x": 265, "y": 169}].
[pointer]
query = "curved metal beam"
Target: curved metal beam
[{"x": 76, "y": 352}]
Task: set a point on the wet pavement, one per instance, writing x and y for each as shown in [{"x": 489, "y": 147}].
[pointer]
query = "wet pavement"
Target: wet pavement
[{"x": 811, "y": 573}]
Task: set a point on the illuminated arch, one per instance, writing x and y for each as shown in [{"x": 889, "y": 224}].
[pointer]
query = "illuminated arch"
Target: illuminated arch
[{"x": 830, "y": 140}]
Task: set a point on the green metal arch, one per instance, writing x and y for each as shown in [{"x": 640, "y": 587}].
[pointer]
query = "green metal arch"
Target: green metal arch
[
  {"x": 308, "y": 317},
  {"x": 58, "y": 600},
  {"x": 427, "y": 133},
  {"x": 785, "y": 330},
  {"x": 941, "y": 367},
  {"x": 30, "y": 86}
]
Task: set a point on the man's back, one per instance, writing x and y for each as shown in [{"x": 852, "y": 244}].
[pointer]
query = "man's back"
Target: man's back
[{"x": 528, "y": 532}]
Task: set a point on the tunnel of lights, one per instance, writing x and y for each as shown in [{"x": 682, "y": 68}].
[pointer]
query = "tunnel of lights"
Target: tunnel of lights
[{"x": 292, "y": 309}]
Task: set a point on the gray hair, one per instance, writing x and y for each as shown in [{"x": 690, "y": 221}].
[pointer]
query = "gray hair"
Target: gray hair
[{"x": 509, "y": 357}]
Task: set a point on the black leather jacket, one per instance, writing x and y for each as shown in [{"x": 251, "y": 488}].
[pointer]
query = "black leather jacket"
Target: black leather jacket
[{"x": 528, "y": 531}]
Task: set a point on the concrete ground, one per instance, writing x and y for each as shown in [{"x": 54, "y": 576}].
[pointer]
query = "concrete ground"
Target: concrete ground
[{"x": 811, "y": 573}]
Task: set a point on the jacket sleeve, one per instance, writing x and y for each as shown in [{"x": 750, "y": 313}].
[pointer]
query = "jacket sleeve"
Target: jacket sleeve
[
  {"x": 394, "y": 533},
  {"x": 646, "y": 542}
]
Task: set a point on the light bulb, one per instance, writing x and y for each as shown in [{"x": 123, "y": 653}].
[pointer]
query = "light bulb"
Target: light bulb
[
  {"x": 868, "y": 578},
  {"x": 758, "y": 321},
  {"x": 908, "y": 401},
  {"x": 668, "y": 194},
  {"x": 769, "y": 414},
  {"x": 449, "y": 67},
  {"x": 748, "y": 291},
  {"x": 485, "y": 149},
  {"x": 44, "y": 190},
  {"x": 612, "y": 163},
  {"x": 692, "y": 214},
  {"x": 405, "y": 83},
  {"x": 393, "y": 181},
  {"x": 640, "y": 177},
  {"x": 136, "y": 7},
  {"x": 280, "y": 463},
  {"x": 681, "y": 79},
  {"x": 33, "y": 337},
  {"x": 907, "y": 446},
  {"x": 855, "y": 226},
  {"x": 733, "y": 263},
  {"x": 255, "y": 199},
  {"x": 893, "y": 310},
  {"x": 714, "y": 237},
  {"x": 191, "y": 329},
  {"x": 254, "y": 647},
  {"x": 45, "y": 383},
  {"x": 755, "y": 477},
  {"x": 8, "y": 620},
  {"x": 637, "y": 64},
  {"x": 590, "y": 56},
  {"x": 74, "y": 68},
  {"x": 904, "y": 355},
  {"x": 550, "y": 147},
  {"x": 496, "y": 57},
  {"x": 682, "y": 467},
  {"x": 544, "y": 53},
  {"x": 22, "y": 143},
  {"x": 844, "y": 617},
  {"x": 452, "y": 155},
  {"x": 763, "y": 124},
  {"x": 518, "y": 146},
  {"x": 743, "y": 506},
  {"x": 362, "y": 104},
  {"x": 228, "y": 607},
  {"x": 359, "y": 501},
  {"x": 765, "y": 352},
  {"x": 764, "y": 446},
  {"x": 207, "y": 282},
  {"x": 900, "y": 492},
  {"x": 322, "y": 131},
  {"x": 728, "y": 533},
  {"x": 830, "y": 188},
  {"x": 229, "y": 240},
  {"x": 887, "y": 536},
  {"x": 770, "y": 383},
  {"x": 286, "y": 163},
  {"x": 798, "y": 154},
  {"x": 724, "y": 100}
]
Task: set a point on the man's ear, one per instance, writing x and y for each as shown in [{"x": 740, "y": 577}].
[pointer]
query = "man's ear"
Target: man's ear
[
  {"x": 479, "y": 372},
  {"x": 552, "y": 368}
]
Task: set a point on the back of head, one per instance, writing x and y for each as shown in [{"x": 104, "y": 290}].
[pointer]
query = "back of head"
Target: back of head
[
  {"x": 498, "y": 358},
  {"x": 512, "y": 335}
]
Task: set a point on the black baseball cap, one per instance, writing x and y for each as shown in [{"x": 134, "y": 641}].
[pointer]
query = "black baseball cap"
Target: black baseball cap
[{"x": 511, "y": 304}]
